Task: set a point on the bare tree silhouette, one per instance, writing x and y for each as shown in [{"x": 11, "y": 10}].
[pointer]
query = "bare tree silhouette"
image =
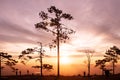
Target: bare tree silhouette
[
  {"x": 53, "y": 24},
  {"x": 6, "y": 59},
  {"x": 89, "y": 54},
  {"x": 27, "y": 55}
]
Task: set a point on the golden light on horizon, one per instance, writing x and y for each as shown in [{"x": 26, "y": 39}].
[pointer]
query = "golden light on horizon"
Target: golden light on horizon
[{"x": 65, "y": 60}]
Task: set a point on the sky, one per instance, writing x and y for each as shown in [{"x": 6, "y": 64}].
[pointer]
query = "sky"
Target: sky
[{"x": 96, "y": 23}]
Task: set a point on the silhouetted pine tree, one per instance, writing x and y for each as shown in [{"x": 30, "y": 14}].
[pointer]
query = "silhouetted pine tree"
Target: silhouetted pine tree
[
  {"x": 54, "y": 25},
  {"x": 6, "y": 59},
  {"x": 26, "y": 55},
  {"x": 113, "y": 55}
]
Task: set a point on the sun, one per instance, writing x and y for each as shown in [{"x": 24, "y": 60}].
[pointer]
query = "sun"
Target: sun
[{"x": 64, "y": 60}]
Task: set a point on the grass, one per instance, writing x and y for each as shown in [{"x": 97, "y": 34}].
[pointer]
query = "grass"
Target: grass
[{"x": 115, "y": 77}]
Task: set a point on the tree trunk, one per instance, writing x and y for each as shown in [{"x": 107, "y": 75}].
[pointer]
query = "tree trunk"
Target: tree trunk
[
  {"x": 41, "y": 67},
  {"x": 41, "y": 61},
  {"x": 58, "y": 52},
  {"x": 102, "y": 72},
  {"x": 0, "y": 65},
  {"x": 16, "y": 72},
  {"x": 88, "y": 65},
  {"x": 27, "y": 72},
  {"x": 113, "y": 67}
]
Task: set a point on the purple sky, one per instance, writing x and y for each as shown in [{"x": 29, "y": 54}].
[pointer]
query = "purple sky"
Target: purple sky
[{"x": 96, "y": 22}]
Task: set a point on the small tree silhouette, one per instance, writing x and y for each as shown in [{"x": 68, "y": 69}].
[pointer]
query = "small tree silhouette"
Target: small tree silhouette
[
  {"x": 53, "y": 24},
  {"x": 16, "y": 71},
  {"x": 7, "y": 60},
  {"x": 27, "y": 72},
  {"x": 101, "y": 63},
  {"x": 20, "y": 73},
  {"x": 26, "y": 56},
  {"x": 112, "y": 55}
]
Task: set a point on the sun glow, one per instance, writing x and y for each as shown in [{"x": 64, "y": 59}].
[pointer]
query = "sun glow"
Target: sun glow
[{"x": 65, "y": 60}]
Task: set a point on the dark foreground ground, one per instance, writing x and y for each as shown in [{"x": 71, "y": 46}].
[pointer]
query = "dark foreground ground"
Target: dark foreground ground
[{"x": 115, "y": 77}]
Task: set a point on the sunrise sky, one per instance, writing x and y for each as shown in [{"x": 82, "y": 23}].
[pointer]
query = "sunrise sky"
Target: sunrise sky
[{"x": 96, "y": 22}]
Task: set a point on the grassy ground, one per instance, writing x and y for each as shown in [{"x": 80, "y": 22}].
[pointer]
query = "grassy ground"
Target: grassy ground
[{"x": 115, "y": 77}]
